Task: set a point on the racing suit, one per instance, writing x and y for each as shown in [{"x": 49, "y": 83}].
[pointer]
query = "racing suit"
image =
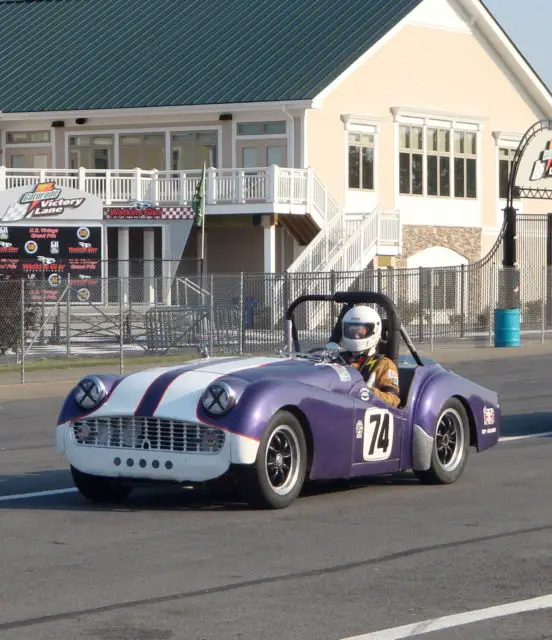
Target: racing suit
[{"x": 381, "y": 375}]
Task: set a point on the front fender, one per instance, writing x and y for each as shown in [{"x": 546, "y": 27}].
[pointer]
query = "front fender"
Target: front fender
[
  {"x": 481, "y": 405},
  {"x": 329, "y": 417}
]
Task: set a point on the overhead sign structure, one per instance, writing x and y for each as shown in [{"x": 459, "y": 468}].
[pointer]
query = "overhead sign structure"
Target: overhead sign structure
[
  {"x": 531, "y": 174},
  {"x": 47, "y": 201}
]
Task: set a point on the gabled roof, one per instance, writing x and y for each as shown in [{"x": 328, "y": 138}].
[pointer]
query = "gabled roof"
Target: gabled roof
[{"x": 65, "y": 55}]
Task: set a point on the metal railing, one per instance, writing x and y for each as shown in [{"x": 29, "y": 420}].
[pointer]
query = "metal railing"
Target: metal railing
[
  {"x": 239, "y": 313},
  {"x": 274, "y": 184}
]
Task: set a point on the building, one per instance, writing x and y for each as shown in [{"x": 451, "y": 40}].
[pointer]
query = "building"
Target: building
[{"x": 336, "y": 135}]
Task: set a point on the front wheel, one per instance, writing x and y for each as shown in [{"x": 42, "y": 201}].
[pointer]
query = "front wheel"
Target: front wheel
[
  {"x": 451, "y": 445},
  {"x": 276, "y": 478},
  {"x": 98, "y": 488}
]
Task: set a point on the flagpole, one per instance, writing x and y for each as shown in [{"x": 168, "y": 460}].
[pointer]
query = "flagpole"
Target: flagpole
[{"x": 203, "y": 222}]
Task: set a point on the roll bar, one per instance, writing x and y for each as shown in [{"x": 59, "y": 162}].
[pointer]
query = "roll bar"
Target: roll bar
[{"x": 395, "y": 328}]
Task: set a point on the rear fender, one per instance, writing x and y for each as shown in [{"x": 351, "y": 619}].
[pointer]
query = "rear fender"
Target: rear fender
[{"x": 481, "y": 405}]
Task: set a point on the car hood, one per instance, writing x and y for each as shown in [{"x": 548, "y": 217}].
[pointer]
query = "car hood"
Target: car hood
[{"x": 175, "y": 391}]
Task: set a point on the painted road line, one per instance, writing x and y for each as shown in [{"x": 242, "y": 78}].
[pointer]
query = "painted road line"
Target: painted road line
[
  {"x": 37, "y": 494},
  {"x": 457, "y": 620},
  {"x": 546, "y": 434}
]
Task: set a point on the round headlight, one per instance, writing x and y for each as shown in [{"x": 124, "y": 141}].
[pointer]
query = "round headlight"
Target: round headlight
[
  {"x": 90, "y": 392},
  {"x": 218, "y": 398}
]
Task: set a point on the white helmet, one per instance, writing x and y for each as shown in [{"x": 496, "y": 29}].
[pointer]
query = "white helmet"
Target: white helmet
[{"x": 361, "y": 329}]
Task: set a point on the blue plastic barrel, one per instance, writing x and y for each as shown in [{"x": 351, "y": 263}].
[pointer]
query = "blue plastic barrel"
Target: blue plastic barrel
[{"x": 507, "y": 324}]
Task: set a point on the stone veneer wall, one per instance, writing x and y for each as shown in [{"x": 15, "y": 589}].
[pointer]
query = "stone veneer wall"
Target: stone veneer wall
[{"x": 464, "y": 240}]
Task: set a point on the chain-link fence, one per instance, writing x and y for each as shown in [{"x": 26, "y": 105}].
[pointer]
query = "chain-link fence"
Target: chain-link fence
[{"x": 138, "y": 319}]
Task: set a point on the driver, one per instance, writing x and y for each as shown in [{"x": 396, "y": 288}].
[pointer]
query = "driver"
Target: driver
[{"x": 361, "y": 333}]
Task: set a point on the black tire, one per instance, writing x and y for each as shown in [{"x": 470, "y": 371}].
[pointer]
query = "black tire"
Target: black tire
[
  {"x": 268, "y": 483},
  {"x": 98, "y": 488},
  {"x": 451, "y": 445}
]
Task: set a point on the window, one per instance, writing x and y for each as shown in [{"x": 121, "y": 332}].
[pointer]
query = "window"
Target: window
[
  {"x": 465, "y": 178},
  {"x": 411, "y": 167},
  {"x": 361, "y": 161},
  {"x": 143, "y": 150},
  {"x": 91, "y": 152},
  {"x": 27, "y": 137},
  {"x": 189, "y": 150},
  {"x": 438, "y": 162},
  {"x": 505, "y": 159},
  {"x": 261, "y": 128}
]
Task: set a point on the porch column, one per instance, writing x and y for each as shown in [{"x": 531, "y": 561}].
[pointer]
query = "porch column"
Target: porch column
[
  {"x": 123, "y": 259},
  {"x": 269, "y": 230},
  {"x": 167, "y": 265},
  {"x": 149, "y": 266}
]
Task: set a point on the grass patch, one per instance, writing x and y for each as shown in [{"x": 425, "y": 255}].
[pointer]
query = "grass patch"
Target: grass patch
[{"x": 56, "y": 364}]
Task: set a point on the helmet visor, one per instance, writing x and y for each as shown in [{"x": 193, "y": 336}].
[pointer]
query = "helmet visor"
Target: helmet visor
[{"x": 358, "y": 330}]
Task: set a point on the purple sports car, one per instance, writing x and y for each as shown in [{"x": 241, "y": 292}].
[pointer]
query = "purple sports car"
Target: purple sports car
[{"x": 270, "y": 424}]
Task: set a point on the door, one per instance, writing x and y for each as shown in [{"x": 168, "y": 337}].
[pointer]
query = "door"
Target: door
[{"x": 378, "y": 434}]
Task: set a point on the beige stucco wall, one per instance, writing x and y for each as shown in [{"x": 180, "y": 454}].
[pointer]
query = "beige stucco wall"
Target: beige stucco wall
[{"x": 431, "y": 70}]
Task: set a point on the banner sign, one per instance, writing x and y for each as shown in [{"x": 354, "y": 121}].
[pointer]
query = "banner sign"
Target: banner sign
[
  {"x": 148, "y": 213},
  {"x": 48, "y": 201},
  {"x": 52, "y": 257}
]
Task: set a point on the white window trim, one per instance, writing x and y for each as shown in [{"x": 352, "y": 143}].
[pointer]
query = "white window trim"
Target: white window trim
[
  {"x": 362, "y": 124},
  {"x": 166, "y": 130},
  {"x": 443, "y": 120}
]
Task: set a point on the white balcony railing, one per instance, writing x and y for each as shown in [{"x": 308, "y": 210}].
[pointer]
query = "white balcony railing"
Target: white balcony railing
[{"x": 274, "y": 185}]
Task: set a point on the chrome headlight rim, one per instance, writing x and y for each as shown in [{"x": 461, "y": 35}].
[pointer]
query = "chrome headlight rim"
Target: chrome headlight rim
[
  {"x": 89, "y": 393},
  {"x": 212, "y": 401}
]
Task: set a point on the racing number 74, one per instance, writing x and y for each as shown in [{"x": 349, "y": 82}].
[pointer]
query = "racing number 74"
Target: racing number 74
[{"x": 378, "y": 434}]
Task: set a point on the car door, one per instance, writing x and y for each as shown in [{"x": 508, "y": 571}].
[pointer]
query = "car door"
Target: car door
[{"x": 377, "y": 436}]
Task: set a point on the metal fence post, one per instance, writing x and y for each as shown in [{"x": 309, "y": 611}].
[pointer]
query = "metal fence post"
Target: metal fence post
[
  {"x": 543, "y": 304},
  {"x": 242, "y": 316},
  {"x": 491, "y": 301},
  {"x": 463, "y": 301},
  {"x": 68, "y": 320},
  {"x": 121, "y": 327},
  {"x": 431, "y": 305},
  {"x": 22, "y": 330},
  {"x": 211, "y": 312}
]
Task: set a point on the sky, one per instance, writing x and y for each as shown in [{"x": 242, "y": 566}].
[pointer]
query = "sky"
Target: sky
[{"x": 527, "y": 23}]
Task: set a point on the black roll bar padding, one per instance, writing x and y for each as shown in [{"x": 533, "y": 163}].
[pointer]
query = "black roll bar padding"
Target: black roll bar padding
[{"x": 349, "y": 299}]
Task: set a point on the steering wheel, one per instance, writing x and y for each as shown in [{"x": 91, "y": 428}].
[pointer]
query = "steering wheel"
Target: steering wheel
[{"x": 334, "y": 358}]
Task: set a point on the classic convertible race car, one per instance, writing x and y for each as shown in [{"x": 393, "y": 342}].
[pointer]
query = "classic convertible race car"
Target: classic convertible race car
[{"x": 273, "y": 423}]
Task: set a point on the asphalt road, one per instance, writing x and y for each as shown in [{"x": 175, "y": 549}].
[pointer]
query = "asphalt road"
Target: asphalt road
[{"x": 344, "y": 560}]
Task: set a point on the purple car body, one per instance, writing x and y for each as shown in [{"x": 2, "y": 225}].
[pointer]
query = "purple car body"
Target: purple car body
[{"x": 348, "y": 431}]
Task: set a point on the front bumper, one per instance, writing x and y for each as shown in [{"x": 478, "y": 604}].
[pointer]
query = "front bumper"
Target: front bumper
[{"x": 137, "y": 463}]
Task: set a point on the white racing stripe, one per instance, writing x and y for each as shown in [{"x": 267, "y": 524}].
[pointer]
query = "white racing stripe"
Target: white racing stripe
[
  {"x": 181, "y": 398},
  {"x": 448, "y": 622},
  {"x": 37, "y": 494}
]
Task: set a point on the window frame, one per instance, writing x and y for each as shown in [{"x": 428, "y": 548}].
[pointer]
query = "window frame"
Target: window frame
[
  {"x": 360, "y": 147},
  {"x": 455, "y": 123},
  {"x": 411, "y": 151}
]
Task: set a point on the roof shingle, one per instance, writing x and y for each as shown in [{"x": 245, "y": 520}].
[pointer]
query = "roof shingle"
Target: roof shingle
[{"x": 58, "y": 55}]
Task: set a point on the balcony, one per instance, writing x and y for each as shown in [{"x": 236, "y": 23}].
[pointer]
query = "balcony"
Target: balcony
[{"x": 254, "y": 190}]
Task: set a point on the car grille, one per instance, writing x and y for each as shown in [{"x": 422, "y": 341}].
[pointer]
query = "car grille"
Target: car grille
[{"x": 155, "y": 434}]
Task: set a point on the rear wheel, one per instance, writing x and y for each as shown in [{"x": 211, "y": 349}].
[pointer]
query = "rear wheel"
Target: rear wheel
[
  {"x": 276, "y": 478},
  {"x": 98, "y": 488},
  {"x": 450, "y": 445}
]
